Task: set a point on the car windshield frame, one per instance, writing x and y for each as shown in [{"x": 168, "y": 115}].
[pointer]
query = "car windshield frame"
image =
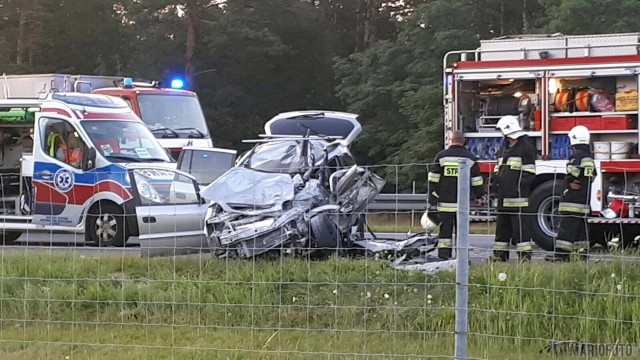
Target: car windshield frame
[
  {"x": 103, "y": 135},
  {"x": 188, "y": 119}
]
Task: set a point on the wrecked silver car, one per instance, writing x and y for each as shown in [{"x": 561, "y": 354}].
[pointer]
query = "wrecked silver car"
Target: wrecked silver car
[{"x": 297, "y": 191}]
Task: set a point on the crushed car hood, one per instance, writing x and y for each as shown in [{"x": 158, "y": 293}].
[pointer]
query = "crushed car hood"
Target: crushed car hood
[{"x": 242, "y": 187}]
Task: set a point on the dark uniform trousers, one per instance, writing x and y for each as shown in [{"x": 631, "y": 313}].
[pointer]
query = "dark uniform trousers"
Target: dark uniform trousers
[{"x": 510, "y": 229}]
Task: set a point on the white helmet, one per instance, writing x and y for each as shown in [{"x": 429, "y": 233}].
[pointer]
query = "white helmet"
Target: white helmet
[
  {"x": 428, "y": 225},
  {"x": 510, "y": 126},
  {"x": 579, "y": 135}
]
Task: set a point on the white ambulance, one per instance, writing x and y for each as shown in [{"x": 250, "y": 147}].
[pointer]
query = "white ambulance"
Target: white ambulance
[{"x": 85, "y": 163}]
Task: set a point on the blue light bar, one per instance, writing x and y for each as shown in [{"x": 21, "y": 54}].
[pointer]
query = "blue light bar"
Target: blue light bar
[
  {"x": 177, "y": 84},
  {"x": 127, "y": 82}
]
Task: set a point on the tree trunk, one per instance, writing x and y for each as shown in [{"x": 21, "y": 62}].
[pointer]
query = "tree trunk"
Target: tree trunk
[
  {"x": 25, "y": 12},
  {"x": 525, "y": 18},
  {"x": 371, "y": 16},
  {"x": 192, "y": 20},
  {"x": 501, "y": 17}
]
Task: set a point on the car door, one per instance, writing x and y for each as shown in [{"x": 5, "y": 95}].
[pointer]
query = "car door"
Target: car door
[
  {"x": 59, "y": 199},
  {"x": 171, "y": 213}
]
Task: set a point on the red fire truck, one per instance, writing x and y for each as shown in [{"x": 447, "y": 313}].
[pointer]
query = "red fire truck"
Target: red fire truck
[
  {"x": 552, "y": 83},
  {"x": 172, "y": 114}
]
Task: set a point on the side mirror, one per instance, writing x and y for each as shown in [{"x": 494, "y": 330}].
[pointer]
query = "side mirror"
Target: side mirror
[{"x": 89, "y": 159}]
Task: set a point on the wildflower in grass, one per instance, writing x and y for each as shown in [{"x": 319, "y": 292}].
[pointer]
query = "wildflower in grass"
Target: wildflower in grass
[
  {"x": 619, "y": 287},
  {"x": 293, "y": 299},
  {"x": 429, "y": 302},
  {"x": 502, "y": 277},
  {"x": 368, "y": 295},
  {"x": 613, "y": 275},
  {"x": 386, "y": 296},
  {"x": 429, "y": 297},
  {"x": 335, "y": 291},
  {"x": 415, "y": 290}
]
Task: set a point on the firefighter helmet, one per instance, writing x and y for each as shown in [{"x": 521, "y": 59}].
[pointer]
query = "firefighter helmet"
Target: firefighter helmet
[
  {"x": 510, "y": 126},
  {"x": 579, "y": 135}
]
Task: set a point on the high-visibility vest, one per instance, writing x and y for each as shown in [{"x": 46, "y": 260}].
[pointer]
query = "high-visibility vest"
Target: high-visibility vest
[
  {"x": 74, "y": 155},
  {"x": 51, "y": 143}
]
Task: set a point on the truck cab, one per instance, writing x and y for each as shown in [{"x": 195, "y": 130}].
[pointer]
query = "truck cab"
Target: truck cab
[
  {"x": 85, "y": 163},
  {"x": 174, "y": 116}
]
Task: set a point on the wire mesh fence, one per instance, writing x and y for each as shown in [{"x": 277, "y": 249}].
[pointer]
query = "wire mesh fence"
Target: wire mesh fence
[{"x": 358, "y": 290}]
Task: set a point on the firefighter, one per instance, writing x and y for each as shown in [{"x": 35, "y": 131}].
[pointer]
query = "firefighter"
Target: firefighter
[
  {"x": 513, "y": 177},
  {"x": 574, "y": 204},
  {"x": 443, "y": 189}
]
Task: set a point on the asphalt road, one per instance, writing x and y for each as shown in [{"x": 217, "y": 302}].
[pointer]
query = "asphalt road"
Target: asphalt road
[
  {"x": 480, "y": 246},
  {"x": 52, "y": 242}
]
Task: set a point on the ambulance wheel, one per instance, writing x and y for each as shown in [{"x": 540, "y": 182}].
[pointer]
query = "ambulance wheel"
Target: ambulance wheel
[
  {"x": 9, "y": 237},
  {"x": 106, "y": 226},
  {"x": 543, "y": 202}
]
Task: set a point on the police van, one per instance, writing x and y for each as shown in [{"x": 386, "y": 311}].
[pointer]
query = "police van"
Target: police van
[{"x": 85, "y": 163}]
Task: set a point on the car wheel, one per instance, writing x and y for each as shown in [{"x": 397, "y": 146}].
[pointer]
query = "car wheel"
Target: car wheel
[
  {"x": 106, "y": 226},
  {"x": 543, "y": 202},
  {"x": 9, "y": 237}
]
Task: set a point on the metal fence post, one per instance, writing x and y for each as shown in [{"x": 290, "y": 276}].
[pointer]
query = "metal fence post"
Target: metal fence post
[{"x": 462, "y": 259}]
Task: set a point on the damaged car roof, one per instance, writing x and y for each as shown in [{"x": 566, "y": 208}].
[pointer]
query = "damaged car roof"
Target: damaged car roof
[{"x": 313, "y": 122}]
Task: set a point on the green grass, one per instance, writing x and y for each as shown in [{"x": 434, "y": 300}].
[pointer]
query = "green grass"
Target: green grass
[
  {"x": 402, "y": 223},
  {"x": 54, "y": 306}
]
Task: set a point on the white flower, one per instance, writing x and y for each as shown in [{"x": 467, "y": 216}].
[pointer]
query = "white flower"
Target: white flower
[
  {"x": 386, "y": 296},
  {"x": 81, "y": 256},
  {"x": 429, "y": 302},
  {"x": 66, "y": 357},
  {"x": 415, "y": 290},
  {"x": 429, "y": 297},
  {"x": 395, "y": 303},
  {"x": 502, "y": 277},
  {"x": 294, "y": 299},
  {"x": 619, "y": 287},
  {"x": 613, "y": 275},
  {"x": 335, "y": 291},
  {"x": 368, "y": 295}
]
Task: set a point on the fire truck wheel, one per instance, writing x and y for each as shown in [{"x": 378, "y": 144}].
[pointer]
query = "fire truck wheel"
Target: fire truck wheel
[
  {"x": 106, "y": 226},
  {"x": 543, "y": 202},
  {"x": 9, "y": 237}
]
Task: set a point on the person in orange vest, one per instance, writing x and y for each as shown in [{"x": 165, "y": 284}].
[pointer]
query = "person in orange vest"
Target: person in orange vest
[{"x": 74, "y": 151}]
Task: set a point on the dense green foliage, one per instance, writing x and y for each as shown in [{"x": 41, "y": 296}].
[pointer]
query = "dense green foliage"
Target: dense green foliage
[
  {"x": 250, "y": 59},
  {"x": 187, "y": 308}
]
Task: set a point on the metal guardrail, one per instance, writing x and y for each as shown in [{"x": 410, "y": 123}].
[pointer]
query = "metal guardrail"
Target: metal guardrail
[
  {"x": 411, "y": 203},
  {"x": 399, "y": 202}
]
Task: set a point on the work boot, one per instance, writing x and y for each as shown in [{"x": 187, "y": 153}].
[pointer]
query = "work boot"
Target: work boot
[
  {"x": 494, "y": 258},
  {"x": 445, "y": 253},
  {"x": 558, "y": 257},
  {"x": 499, "y": 256},
  {"x": 524, "y": 256}
]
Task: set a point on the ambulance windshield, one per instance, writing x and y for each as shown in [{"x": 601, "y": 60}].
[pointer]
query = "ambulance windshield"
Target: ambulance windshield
[{"x": 124, "y": 141}]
